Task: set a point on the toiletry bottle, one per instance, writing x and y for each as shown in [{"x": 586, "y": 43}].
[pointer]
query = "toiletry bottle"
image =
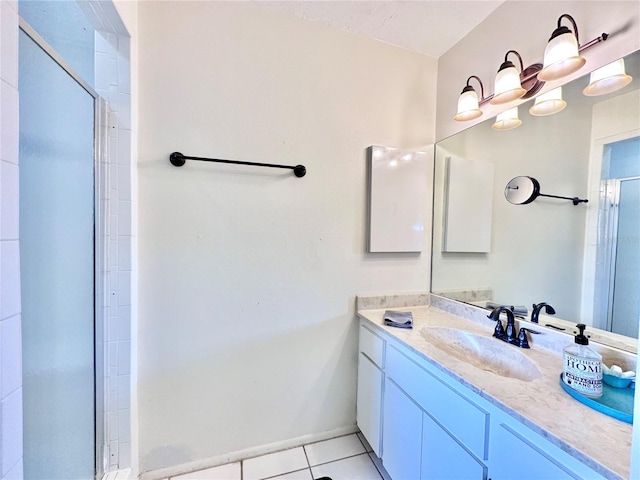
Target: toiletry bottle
[{"x": 583, "y": 366}]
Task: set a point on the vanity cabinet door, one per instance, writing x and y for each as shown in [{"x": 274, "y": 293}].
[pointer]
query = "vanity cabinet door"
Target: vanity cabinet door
[
  {"x": 401, "y": 434},
  {"x": 514, "y": 457},
  {"x": 443, "y": 458},
  {"x": 369, "y": 401}
]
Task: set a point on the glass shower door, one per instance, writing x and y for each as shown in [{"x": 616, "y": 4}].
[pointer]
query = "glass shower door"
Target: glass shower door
[
  {"x": 625, "y": 308},
  {"x": 57, "y": 267}
]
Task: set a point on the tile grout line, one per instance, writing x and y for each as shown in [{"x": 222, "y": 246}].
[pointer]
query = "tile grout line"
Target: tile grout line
[
  {"x": 369, "y": 453},
  {"x": 281, "y": 474},
  {"x": 308, "y": 462},
  {"x": 360, "y": 439},
  {"x": 7, "y": 395},
  {"x": 343, "y": 458},
  {"x": 306, "y": 456},
  {"x": 309, "y": 467}
]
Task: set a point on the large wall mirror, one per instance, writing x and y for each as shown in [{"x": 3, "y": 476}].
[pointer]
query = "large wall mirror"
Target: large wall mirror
[{"x": 584, "y": 258}]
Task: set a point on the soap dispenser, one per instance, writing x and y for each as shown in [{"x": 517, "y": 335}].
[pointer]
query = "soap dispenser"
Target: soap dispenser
[{"x": 583, "y": 366}]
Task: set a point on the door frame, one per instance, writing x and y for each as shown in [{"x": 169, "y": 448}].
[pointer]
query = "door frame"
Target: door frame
[
  {"x": 99, "y": 245},
  {"x": 594, "y": 306},
  {"x": 613, "y": 188}
]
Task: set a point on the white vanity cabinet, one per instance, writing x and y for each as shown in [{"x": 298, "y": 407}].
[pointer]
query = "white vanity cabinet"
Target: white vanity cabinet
[
  {"x": 426, "y": 425},
  {"x": 370, "y": 382},
  {"x": 443, "y": 458},
  {"x": 451, "y": 438},
  {"x": 526, "y": 455},
  {"x": 402, "y": 434}
]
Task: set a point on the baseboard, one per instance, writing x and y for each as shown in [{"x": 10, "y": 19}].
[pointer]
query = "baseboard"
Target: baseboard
[{"x": 172, "y": 471}]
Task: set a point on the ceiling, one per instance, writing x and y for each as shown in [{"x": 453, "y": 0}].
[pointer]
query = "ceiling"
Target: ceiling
[{"x": 430, "y": 27}]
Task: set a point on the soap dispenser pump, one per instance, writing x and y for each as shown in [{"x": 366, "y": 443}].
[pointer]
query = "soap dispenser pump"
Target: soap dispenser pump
[{"x": 583, "y": 366}]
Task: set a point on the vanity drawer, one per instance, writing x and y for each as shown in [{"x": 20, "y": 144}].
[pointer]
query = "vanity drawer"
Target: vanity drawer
[
  {"x": 372, "y": 346},
  {"x": 464, "y": 420}
]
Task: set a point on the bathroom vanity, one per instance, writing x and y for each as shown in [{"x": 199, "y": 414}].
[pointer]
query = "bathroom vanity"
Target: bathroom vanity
[{"x": 446, "y": 400}]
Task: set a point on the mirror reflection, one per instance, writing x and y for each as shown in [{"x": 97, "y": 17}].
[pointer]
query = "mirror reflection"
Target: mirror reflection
[{"x": 584, "y": 259}]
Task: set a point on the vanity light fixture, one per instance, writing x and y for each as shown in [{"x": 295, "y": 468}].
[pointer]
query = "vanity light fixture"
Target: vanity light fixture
[
  {"x": 507, "y": 120},
  {"x": 548, "y": 103},
  {"x": 607, "y": 79},
  {"x": 561, "y": 57},
  {"x": 507, "y": 86},
  {"x": 468, "y": 103}
]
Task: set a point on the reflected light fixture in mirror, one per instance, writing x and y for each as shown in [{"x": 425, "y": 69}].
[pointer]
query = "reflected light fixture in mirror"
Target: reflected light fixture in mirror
[
  {"x": 507, "y": 86},
  {"x": 561, "y": 57},
  {"x": 607, "y": 79},
  {"x": 507, "y": 120},
  {"x": 548, "y": 103},
  {"x": 468, "y": 103}
]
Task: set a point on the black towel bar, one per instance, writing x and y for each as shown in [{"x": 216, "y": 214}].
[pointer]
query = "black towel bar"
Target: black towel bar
[{"x": 177, "y": 159}]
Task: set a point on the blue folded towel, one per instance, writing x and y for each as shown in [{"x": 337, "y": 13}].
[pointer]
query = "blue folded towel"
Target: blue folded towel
[{"x": 394, "y": 318}]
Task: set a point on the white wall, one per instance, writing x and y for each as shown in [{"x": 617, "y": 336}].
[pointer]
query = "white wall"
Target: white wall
[
  {"x": 248, "y": 275},
  {"x": 526, "y": 26}
]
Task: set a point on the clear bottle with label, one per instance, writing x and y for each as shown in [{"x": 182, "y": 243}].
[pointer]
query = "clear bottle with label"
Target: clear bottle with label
[{"x": 583, "y": 366}]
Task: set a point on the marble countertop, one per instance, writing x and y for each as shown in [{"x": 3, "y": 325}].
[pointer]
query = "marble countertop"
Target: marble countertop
[{"x": 601, "y": 442}]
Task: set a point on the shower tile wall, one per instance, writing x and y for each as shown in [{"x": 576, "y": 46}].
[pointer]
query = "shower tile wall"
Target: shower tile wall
[
  {"x": 112, "y": 83},
  {"x": 10, "y": 320}
]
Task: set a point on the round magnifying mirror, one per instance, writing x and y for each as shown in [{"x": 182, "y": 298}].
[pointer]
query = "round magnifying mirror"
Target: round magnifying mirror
[{"x": 522, "y": 190}]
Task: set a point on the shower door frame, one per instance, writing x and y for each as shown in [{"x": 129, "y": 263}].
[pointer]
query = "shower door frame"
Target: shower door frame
[
  {"x": 99, "y": 245},
  {"x": 612, "y": 187},
  {"x": 596, "y": 267}
]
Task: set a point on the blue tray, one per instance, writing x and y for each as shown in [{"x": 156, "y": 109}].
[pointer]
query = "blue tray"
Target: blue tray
[{"x": 615, "y": 402}]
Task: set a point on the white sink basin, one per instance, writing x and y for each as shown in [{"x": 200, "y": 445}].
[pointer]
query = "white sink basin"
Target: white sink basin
[{"x": 485, "y": 353}]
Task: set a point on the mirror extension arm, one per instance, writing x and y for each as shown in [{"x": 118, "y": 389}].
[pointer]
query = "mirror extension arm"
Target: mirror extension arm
[{"x": 522, "y": 190}]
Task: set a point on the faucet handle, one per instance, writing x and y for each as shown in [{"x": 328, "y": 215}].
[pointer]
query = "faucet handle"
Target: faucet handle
[
  {"x": 523, "y": 341},
  {"x": 499, "y": 332}
]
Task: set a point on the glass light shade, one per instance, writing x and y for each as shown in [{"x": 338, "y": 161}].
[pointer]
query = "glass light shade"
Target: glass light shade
[
  {"x": 607, "y": 79},
  {"x": 507, "y": 120},
  {"x": 507, "y": 86},
  {"x": 561, "y": 57},
  {"x": 548, "y": 103},
  {"x": 468, "y": 106}
]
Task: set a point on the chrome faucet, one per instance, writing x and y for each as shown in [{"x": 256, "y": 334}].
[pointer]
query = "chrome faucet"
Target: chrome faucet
[
  {"x": 548, "y": 309},
  {"x": 508, "y": 334}
]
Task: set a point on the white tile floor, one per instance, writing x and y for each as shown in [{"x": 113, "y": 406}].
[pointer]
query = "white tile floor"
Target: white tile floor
[{"x": 342, "y": 458}]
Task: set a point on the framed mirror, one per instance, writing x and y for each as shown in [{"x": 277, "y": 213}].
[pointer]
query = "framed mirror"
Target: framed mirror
[{"x": 583, "y": 259}]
